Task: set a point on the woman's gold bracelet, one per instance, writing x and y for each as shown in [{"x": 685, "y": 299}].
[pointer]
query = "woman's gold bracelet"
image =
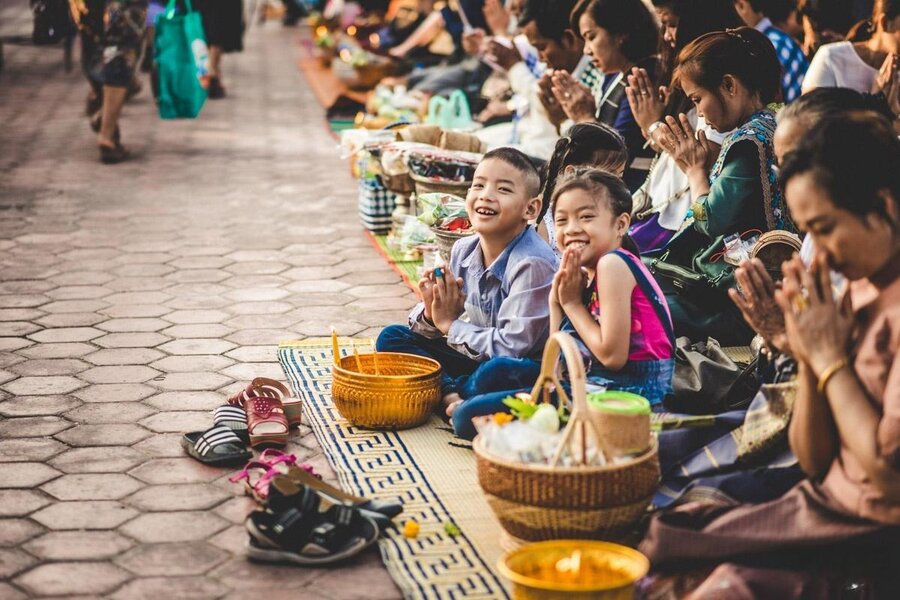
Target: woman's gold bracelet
[{"x": 830, "y": 372}]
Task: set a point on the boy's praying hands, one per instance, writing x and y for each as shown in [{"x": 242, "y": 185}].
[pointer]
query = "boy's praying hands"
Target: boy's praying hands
[{"x": 448, "y": 299}]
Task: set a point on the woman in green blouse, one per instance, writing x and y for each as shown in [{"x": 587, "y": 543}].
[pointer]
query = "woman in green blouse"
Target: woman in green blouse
[{"x": 730, "y": 77}]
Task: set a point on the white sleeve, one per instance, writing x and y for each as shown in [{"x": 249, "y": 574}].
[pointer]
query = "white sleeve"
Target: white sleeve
[
  {"x": 821, "y": 71},
  {"x": 521, "y": 79}
]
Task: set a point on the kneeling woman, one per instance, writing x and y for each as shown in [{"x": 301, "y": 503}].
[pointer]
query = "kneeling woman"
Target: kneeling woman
[
  {"x": 843, "y": 187},
  {"x": 602, "y": 294}
]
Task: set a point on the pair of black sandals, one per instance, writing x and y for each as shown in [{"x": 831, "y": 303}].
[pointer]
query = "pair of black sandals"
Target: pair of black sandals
[{"x": 304, "y": 526}]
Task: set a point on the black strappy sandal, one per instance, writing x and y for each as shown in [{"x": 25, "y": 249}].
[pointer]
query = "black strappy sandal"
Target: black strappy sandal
[{"x": 304, "y": 536}]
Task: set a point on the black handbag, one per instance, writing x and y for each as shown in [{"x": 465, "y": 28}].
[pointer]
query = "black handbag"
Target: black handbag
[
  {"x": 707, "y": 381},
  {"x": 52, "y": 21}
]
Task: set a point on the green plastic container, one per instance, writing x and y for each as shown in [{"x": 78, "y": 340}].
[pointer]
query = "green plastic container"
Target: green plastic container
[{"x": 620, "y": 403}]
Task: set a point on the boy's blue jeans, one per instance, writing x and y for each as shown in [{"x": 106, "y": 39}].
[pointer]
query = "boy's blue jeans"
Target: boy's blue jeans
[{"x": 460, "y": 374}]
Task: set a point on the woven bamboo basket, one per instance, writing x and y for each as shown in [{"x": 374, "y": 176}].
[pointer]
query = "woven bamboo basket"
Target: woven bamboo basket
[
  {"x": 426, "y": 185},
  {"x": 540, "y": 502},
  {"x": 773, "y": 248},
  {"x": 604, "y": 571},
  {"x": 369, "y": 75},
  {"x": 385, "y": 390},
  {"x": 446, "y": 239}
]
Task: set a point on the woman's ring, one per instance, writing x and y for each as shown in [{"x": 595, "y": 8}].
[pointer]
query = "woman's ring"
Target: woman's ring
[{"x": 567, "y": 96}]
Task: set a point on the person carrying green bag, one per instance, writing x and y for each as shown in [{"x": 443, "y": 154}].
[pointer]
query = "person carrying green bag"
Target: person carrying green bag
[{"x": 182, "y": 62}]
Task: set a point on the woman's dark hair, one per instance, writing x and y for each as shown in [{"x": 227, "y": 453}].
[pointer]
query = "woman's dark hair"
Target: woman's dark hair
[
  {"x": 744, "y": 53},
  {"x": 828, "y": 15},
  {"x": 820, "y": 103},
  {"x": 851, "y": 156},
  {"x": 588, "y": 145},
  {"x": 695, "y": 18},
  {"x": 551, "y": 17},
  {"x": 604, "y": 186},
  {"x": 630, "y": 19}
]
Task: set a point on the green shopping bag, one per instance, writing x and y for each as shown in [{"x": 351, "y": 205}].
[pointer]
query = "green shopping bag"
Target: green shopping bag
[{"x": 182, "y": 62}]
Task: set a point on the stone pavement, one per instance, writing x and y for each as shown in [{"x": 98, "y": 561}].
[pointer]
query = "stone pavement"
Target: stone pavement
[{"x": 134, "y": 298}]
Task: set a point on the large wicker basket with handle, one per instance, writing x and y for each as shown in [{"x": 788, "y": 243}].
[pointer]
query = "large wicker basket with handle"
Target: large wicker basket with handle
[
  {"x": 385, "y": 390},
  {"x": 542, "y": 502}
]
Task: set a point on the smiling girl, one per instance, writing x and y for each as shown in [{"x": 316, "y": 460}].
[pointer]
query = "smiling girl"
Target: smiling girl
[{"x": 604, "y": 294}]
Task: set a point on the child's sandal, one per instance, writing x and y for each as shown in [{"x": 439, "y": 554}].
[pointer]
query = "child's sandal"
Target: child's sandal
[
  {"x": 266, "y": 422},
  {"x": 269, "y": 388}
]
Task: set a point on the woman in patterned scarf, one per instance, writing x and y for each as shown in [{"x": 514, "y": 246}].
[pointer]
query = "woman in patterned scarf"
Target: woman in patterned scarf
[{"x": 730, "y": 77}]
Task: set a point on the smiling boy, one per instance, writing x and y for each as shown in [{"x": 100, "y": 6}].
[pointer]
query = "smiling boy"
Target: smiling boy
[{"x": 486, "y": 315}]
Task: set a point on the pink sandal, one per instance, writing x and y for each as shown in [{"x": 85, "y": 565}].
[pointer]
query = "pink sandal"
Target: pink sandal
[
  {"x": 269, "y": 388},
  {"x": 268, "y": 465}
]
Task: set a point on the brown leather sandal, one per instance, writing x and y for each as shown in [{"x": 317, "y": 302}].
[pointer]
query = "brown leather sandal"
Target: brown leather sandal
[{"x": 114, "y": 155}]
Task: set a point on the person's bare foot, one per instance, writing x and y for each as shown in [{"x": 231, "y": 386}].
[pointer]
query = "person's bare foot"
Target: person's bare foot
[
  {"x": 450, "y": 402},
  {"x": 451, "y": 408}
]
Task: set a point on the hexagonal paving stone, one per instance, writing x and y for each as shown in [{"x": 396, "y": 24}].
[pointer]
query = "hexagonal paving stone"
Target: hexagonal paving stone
[
  {"x": 318, "y": 286},
  {"x": 183, "y": 558},
  {"x": 35, "y": 406},
  {"x": 257, "y": 295},
  {"x": 71, "y": 320},
  {"x": 191, "y": 381},
  {"x": 260, "y": 308},
  {"x": 106, "y": 459},
  {"x": 233, "y": 539},
  {"x": 115, "y": 392},
  {"x": 8, "y": 359},
  {"x": 103, "y": 435},
  {"x": 255, "y": 281},
  {"x": 119, "y": 374},
  {"x": 124, "y": 356},
  {"x": 6, "y": 376},
  {"x": 139, "y": 284},
  {"x": 245, "y": 576},
  {"x": 184, "y": 317},
  {"x": 172, "y": 497},
  {"x": 197, "y": 276},
  {"x": 73, "y": 306},
  {"x": 26, "y": 427},
  {"x": 21, "y": 314},
  {"x": 184, "y": 526},
  {"x": 78, "y": 545},
  {"x": 194, "y": 302},
  {"x": 98, "y": 514},
  {"x": 92, "y": 486},
  {"x": 17, "y": 328},
  {"x": 191, "y": 401},
  {"x": 319, "y": 328},
  {"x": 378, "y": 291},
  {"x": 18, "y": 503},
  {"x": 236, "y": 509},
  {"x": 196, "y": 290},
  {"x": 183, "y": 588},
  {"x": 197, "y": 346},
  {"x": 258, "y": 337},
  {"x": 173, "y": 470},
  {"x": 14, "y": 561},
  {"x": 22, "y": 300},
  {"x": 199, "y": 363},
  {"x": 73, "y": 578},
  {"x": 42, "y": 386},
  {"x": 261, "y": 321},
  {"x": 199, "y": 330},
  {"x": 50, "y": 366},
  {"x": 132, "y": 311},
  {"x": 109, "y": 412},
  {"x": 133, "y": 325},
  {"x": 66, "y": 334},
  {"x": 82, "y": 278},
  {"x": 161, "y": 445},
  {"x": 60, "y": 350},
  {"x": 79, "y": 292},
  {"x": 254, "y": 354},
  {"x": 36, "y": 449},
  {"x": 249, "y": 371},
  {"x": 154, "y": 297},
  {"x": 25, "y": 474},
  {"x": 173, "y": 422},
  {"x": 201, "y": 262},
  {"x": 131, "y": 340},
  {"x": 143, "y": 270},
  {"x": 14, "y": 532}
]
